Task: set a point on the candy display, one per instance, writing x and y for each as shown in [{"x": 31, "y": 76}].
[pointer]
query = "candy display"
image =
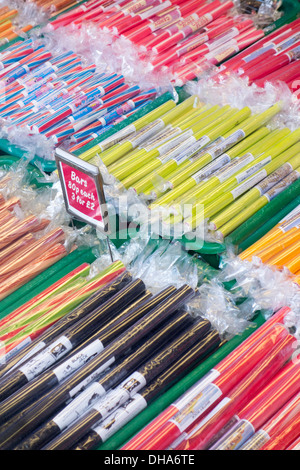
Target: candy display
[{"x": 149, "y": 238}]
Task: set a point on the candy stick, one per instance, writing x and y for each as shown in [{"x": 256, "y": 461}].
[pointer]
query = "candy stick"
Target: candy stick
[
  {"x": 260, "y": 140},
  {"x": 29, "y": 253},
  {"x": 247, "y": 183},
  {"x": 291, "y": 219},
  {"x": 140, "y": 401},
  {"x": 252, "y": 195},
  {"x": 151, "y": 430},
  {"x": 209, "y": 391},
  {"x": 60, "y": 394},
  {"x": 84, "y": 352},
  {"x": 113, "y": 279},
  {"x": 139, "y": 378},
  {"x": 83, "y": 401},
  {"x": 229, "y": 226},
  {"x": 11, "y": 329},
  {"x": 284, "y": 437},
  {"x": 279, "y": 244},
  {"x": 239, "y": 396},
  {"x": 18, "y": 230},
  {"x": 152, "y": 147},
  {"x": 294, "y": 445},
  {"x": 138, "y": 124},
  {"x": 47, "y": 295},
  {"x": 127, "y": 364},
  {"x": 261, "y": 408},
  {"x": 288, "y": 413}
]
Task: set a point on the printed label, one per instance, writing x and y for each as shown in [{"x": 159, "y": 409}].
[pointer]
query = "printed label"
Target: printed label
[
  {"x": 37, "y": 348},
  {"x": 79, "y": 405},
  {"x": 120, "y": 395},
  {"x": 189, "y": 152},
  {"x": 211, "y": 168},
  {"x": 279, "y": 187},
  {"x": 78, "y": 360},
  {"x": 212, "y": 375},
  {"x": 177, "y": 149},
  {"x": 16, "y": 349},
  {"x": 236, "y": 165},
  {"x": 173, "y": 144},
  {"x": 198, "y": 405},
  {"x": 46, "y": 358},
  {"x": 227, "y": 143},
  {"x": 206, "y": 149},
  {"x": 242, "y": 188},
  {"x": 146, "y": 132},
  {"x": 160, "y": 138},
  {"x": 120, "y": 417},
  {"x": 253, "y": 169},
  {"x": 221, "y": 39},
  {"x": 237, "y": 437},
  {"x": 291, "y": 215},
  {"x": 117, "y": 137},
  {"x": 91, "y": 378},
  {"x": 275, "y": 178},
  {"x": 224, "y": 53},
  {"x": 257, "y": 441}
]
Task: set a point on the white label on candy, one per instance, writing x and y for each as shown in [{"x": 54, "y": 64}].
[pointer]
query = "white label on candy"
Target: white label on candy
[
  {"x": 91, "y": 378},
  {"x": 120, "y": 417},
  {"x": 198, "y": 405},
  {"x": 253, "y": 169},
  {"x": 210, "y": 168},
  {"x": 242, "y": 188},
  {"x": 120, "y": 395},
  {"x": 79, "y": 405},
  {"x": 46, "y": 358},
  {"x": 78, "y": 360}
]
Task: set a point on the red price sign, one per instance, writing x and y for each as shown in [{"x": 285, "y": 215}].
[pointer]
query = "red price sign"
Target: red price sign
[{"x": 82, "y": 187}]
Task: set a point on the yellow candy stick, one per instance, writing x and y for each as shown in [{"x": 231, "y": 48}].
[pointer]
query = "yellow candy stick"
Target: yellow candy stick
[
  {"x": 145, "y": 132},
  {"x": 163, "y": 152},
  {"x": 240, "y": 161},
  {"x": 261, "y": 201},
  {"x": 223, "y": 201},
  {"x": 135, "y": 126},
  {"x": 140, "y": 156},
  {"x": 249, "y": 125},
  {"x": 263, "y": 157}
]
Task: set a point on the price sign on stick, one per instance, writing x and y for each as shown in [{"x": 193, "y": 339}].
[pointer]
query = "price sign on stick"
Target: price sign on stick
[{"x": 82, "y": 187}]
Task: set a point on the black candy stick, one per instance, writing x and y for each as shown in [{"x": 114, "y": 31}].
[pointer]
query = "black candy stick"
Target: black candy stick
[
  {"x": 97, "y": 389},
  {"x": 137, "y": 380},
  {"x": 47, "y": 405},
  {"x": 72, "y": 337},
  {"x": 94, "y": 345},
  {"x": 96, "y": 299},
  {"x": 101, "y": 432},
  {"x": 78, "y": 358}
]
